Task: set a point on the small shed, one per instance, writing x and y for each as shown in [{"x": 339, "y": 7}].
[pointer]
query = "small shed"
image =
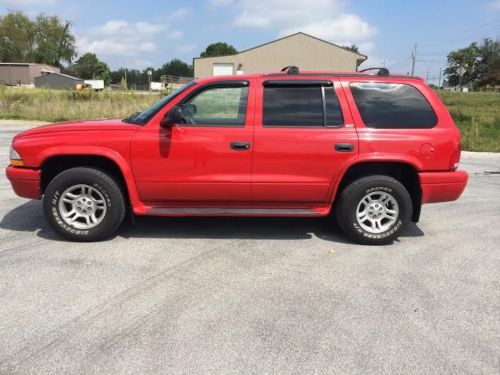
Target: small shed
[{"x": 58, "y": 81}]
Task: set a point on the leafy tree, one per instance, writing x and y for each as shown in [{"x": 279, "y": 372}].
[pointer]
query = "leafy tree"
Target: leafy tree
[
  {"x": 493, "y": 75},
  {"x": 88, "y": 66},
  {"x": 352, "y": 47},
  {"x": 177, "y": 68},
  {"x": 46, "y": 39},
  {"x": 219, "y": 49},
  {"x": 476, "y": 59},
  {"x": 53, "y": 39},
  {"x": 17, "y": 34}
]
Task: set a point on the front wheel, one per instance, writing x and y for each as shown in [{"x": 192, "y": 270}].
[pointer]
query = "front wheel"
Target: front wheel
[
  {"x": 374, "y": 210},
  {"x": 84, "y": 204}
]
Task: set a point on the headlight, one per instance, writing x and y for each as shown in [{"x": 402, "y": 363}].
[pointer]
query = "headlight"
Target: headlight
[{"x": 15, "y": 158}]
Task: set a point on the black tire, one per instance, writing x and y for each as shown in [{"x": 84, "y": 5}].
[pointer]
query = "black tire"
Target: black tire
[
  {"x": 105, "y": 185},
  {"x": 351, "y": 196}
]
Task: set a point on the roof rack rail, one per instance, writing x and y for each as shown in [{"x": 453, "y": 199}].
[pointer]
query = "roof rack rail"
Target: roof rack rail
[
  {"x": 381, "y": 71},
  {"x": 291, "y": 69}
]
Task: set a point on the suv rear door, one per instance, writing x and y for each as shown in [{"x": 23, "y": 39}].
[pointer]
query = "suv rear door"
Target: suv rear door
[{"x": 303, "y": 138}]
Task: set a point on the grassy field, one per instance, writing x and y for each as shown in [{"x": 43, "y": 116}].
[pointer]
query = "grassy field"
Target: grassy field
[
  {"x": 476, "y": 114},
  {"x": 60, "y": 105}
]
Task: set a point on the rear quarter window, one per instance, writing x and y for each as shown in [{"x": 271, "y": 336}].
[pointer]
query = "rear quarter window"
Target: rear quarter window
[{"x": 392, "y": 106}]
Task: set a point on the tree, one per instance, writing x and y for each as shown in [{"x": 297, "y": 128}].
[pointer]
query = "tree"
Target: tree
[
  {"x": 177, "y": 68},
  {"x": 17, "y": 34},
  {"x": 53, "y": 39},
  {"x": 88, "y": 66},
  {"x": 352, "y": 47},
  {"x": 219, "y": 49},
  {"x": 493, "y": 75},
  {"x": 46, "y": 39},
  {"x": 476, "y": 59}
]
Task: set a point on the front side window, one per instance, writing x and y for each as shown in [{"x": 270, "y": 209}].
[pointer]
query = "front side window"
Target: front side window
[
  {"x": 217, "y": 106},
  {"x": 392, "y": 106},
  {"x": 301, "y": 105}
]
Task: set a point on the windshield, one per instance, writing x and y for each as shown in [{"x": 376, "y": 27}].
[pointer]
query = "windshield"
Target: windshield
[{"x": 141, "y": 118}]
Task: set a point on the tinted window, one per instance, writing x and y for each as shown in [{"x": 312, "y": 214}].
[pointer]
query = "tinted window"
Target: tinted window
[
  {"x": 333, "y": 111},
  {"x": 392, "y": 105},
  {"x": 217, "y": 106},
  {"x": 293, "y": 106}
]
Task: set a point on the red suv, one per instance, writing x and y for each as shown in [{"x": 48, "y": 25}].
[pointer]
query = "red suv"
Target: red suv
[{"x": 369, "y": 146}]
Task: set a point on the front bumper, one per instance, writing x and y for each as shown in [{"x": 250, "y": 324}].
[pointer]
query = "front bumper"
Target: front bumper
[
  {"x": 25, "y": 181},
  {"x": 442, "y": 186}
]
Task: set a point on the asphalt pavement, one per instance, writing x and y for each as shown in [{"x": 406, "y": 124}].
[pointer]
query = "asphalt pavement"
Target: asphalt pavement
[{"x": 253, "y": 295}]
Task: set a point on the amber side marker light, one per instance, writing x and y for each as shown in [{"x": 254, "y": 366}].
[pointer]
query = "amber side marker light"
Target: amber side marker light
[
  {"x": 16, "y": 163},
  {"x": 15, "y": 158}
]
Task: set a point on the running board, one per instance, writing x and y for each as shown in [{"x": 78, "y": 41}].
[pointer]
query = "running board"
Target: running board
[{"x": 233, "y": 211}]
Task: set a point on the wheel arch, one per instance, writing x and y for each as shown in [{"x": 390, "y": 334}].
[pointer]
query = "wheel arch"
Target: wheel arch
[
  {"x": 115, "y": 165},
  {"x": 404, "y": 172}
]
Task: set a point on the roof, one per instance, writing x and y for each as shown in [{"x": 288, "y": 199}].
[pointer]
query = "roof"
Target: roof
[
  {"x": 61, "y": 75},
  {"x": 285, "y": 37}
]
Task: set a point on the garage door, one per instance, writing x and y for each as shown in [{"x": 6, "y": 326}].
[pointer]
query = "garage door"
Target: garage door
[{"x": 223, "y": 69}]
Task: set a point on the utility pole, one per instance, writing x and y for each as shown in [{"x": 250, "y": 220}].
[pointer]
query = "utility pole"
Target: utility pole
[
  {"x": 439, "y": 81},
  {"x": 413, "y": 58},
  {"x": 427, "y": 76}
]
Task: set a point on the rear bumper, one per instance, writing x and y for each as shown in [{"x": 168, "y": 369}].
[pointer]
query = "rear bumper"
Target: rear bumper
[
  {"x": 25, "y": 181},
  {"x": 442, "y": 186}
]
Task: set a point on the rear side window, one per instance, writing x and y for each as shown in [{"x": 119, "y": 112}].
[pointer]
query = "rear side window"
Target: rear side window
[
  {"x": 392, "y": 106},
  {"x": 299, "y": 105}
]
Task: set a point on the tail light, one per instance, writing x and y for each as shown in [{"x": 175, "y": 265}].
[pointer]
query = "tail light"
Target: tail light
[{"x": 455, "y": 157}]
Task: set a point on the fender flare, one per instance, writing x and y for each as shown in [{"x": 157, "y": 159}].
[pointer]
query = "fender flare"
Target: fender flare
[
  {"x": 373, "y": 158},
  {"x": 122, "y": 164}
]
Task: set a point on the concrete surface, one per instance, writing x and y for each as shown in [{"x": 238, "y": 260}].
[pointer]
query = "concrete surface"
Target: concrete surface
[{"x": 254, "y": 295}]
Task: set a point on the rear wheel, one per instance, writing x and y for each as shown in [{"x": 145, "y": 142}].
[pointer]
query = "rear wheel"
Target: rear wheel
[
  {"x": 84, "y": 204},
  {"x": 374, "y": 210}
]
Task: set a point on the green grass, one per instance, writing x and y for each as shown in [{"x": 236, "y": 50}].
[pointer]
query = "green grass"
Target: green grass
[
  {"x": 477, "y": 115},
  {"x": 60, "y": 105}
]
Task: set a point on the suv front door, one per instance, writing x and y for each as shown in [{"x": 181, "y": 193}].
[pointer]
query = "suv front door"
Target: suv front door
[
  {"x": 206, "y": 160},
  {"x": 302, "y": 141}
]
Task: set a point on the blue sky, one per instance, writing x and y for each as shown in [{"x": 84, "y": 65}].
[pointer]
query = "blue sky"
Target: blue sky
[{"x": 144, "y": 33}]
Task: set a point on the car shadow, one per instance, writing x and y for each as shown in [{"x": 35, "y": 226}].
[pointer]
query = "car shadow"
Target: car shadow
[{"x": 29, "y": 217}]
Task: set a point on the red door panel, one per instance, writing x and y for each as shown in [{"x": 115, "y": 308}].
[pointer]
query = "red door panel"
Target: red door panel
[
  {"x": 299, "y": 165},
  {"x": 194, "y": 165}
]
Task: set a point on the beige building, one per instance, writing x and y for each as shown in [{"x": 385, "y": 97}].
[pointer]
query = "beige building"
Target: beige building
[
  {"x": 300, "y": 49},
  {"x": 13, "y": 74}
]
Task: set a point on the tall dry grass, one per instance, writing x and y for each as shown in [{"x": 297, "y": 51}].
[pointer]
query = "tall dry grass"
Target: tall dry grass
[{"x": 59, "y": 105}]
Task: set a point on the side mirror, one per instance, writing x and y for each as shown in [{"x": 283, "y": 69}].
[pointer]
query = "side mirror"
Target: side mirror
[{"x": 174, "y": 116}]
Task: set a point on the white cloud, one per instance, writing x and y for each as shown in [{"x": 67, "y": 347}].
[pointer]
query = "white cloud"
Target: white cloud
[
  {"x": 321, "y": 18},
  {"x": 117, "y": 39},
  {"x": 346, "y": 27},
  {"x": 126, "y": 28}
]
